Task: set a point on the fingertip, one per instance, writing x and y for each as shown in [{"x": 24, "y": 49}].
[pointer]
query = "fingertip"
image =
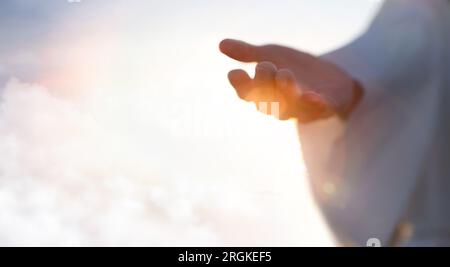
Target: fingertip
[
  {"x": 316, "y": 100},
  {"x": 238, "y": 50},
  {"x": 241, "y": 82},
  {"x": 285, "y": 81},
  {"x": 284, "y": 77},
  {"x": 266, "y": 66},
  {"x": 265, "y": 72},
  {"x": 227, "y": 45},
  {"x": 223, "y": 44},
  {"x": 238, "y": 75}
]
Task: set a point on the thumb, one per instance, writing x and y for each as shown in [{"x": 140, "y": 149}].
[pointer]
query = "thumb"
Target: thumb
[{"x": 240, "y": 50}]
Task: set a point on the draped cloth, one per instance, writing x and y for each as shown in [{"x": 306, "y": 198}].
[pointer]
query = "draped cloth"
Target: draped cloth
[{"x": 390, "y": 161}]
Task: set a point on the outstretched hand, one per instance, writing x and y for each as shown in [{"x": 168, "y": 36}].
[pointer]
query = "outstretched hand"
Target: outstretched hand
[{"x": 306, "y": 88}]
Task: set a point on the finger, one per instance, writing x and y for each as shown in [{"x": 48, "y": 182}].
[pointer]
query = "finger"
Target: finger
[
  {"x": 288, "y": 93},
  {"x": 265, "y": 74},
  {"x": 286, "y": 83},
  {"x": 239, "y": 50},
  {"x": 241, "y": 82},
  {"x": 314, "y": 99},
  {"x": 313, "y": 106}
]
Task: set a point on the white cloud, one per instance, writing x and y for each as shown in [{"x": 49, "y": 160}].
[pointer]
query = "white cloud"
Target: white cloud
[{"x": 68, "y": 176}]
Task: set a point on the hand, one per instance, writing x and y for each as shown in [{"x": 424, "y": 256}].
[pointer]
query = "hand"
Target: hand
[{"x": 307, "y": 88}]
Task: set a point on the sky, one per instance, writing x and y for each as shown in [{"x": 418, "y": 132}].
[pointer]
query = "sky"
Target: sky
[{"x": 124, "y": 107}]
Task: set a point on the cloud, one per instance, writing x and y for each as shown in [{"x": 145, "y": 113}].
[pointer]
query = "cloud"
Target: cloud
[
  {"x": 112, "y": 166},
  {"x": 68, "y": 176},
  {"x": 65, "y": 180}
]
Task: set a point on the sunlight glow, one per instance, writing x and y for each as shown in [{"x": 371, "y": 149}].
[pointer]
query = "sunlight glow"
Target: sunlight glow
[{"x": 134, "y": 136}]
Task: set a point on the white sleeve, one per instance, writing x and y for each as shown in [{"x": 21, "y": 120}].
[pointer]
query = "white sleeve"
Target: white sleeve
[{"x": 362, "y": 171}]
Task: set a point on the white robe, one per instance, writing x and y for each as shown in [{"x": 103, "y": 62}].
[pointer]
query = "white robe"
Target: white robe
[{"x": 385, "y": 172}]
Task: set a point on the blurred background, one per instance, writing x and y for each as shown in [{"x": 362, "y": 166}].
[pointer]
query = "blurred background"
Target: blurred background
[{"x": 118, "y": 125}]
